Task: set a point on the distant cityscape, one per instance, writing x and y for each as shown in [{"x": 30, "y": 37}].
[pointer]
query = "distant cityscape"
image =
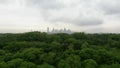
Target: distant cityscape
[{"x": 54, "y": 31}]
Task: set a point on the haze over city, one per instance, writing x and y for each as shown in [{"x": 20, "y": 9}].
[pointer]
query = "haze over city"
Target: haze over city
[{"x": 92, "y": 16}]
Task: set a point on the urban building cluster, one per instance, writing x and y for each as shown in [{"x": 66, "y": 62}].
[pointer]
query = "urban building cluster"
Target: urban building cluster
[{"x": 54, "y": 31}]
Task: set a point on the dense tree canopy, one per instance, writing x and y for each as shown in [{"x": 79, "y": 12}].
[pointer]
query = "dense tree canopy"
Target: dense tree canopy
[{"x": 42, "y": 50}]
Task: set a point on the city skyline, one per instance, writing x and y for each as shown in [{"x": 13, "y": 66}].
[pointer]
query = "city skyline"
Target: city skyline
[{"x": 54, "y": 31}]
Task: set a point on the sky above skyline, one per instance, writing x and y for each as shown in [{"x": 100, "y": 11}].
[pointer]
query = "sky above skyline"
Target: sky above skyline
[{"x": 78, "y": 15}]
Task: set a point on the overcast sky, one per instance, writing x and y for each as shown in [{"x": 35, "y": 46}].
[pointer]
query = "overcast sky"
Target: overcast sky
[{"x": 78, "y": 15}]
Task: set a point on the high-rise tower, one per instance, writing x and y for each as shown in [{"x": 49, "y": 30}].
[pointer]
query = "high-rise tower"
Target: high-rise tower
[{"x": 48, "y": 30}]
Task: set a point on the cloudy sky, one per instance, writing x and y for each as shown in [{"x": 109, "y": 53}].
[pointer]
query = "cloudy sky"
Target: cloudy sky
[{"x": 78, "y": 15}]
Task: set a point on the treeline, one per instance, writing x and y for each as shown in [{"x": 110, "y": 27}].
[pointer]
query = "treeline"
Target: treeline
[{"x": 42, "y": 50}]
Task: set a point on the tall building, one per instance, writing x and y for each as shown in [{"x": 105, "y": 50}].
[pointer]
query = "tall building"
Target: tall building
[
  {"x": 47, "y": 29},
  {"x": 54, "y": 31}
]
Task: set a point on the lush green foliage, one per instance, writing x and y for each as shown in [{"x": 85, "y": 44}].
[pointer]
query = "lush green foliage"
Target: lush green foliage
[{"x": 42, "y": 50}]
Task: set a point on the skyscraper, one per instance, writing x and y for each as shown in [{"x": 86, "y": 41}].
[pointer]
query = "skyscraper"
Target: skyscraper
[
  {"x": 48, "y": 30},
  {"x": 54, "y": 31}
]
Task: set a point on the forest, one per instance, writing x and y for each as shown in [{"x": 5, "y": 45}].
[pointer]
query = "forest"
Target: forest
[{"x": 42, "y": 50}]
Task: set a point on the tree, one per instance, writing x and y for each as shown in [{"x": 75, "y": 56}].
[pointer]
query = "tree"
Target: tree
[
  {"x": 85, "y": 45},
  {"x": 88, "y": 53},
  {"x": 63, "y": 64},
  {"x": 116, "y": 65},
  {"x": 15, "y": 63},
  {"x": 73, "y": 61},
  {"x": 3, "y": 65},
  {"x": 32, "y": 54},
  {"x": 105, "y": 57},
  {"x": 26, "y": 64},
  {"x": 90, "y": 63},
  {"x": 45, "y": 66},
  {"x": 42, "y": 50},
  {"x": 55, "y": 46}
]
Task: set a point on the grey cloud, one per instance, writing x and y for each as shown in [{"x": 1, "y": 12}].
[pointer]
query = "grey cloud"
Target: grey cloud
[
  {"x": 89, "y": 22},
  {"x": 111, "y": 9},
  {"x": 45, "y": 4},
  {"x": 39, "y": 4},
  {"x": 80, "y": 21},
  {"x": 78, "y": 13},
  {"x": 3, "y": 1},
  {"x": 62, "y": 15},
  {"x": 110, "y": 6}
]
